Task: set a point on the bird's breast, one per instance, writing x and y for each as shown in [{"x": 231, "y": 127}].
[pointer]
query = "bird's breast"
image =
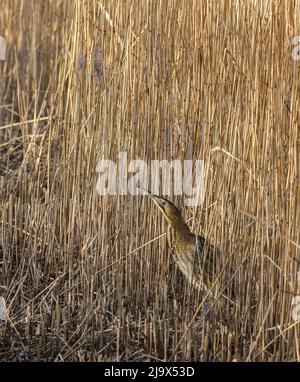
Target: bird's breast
[
  {"x": 188, "y": 257},
  {"x": 183, "y": 251}
]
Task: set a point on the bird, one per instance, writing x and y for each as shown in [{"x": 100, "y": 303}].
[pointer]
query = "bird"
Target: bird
[{"x": 194, "y": 255}]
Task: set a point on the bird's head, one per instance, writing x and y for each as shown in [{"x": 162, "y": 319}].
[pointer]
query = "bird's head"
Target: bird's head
[{"x": 170, "y": 212}]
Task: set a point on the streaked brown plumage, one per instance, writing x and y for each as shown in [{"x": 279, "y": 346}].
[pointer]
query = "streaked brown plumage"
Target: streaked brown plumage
[{"x": 194, "y": 255}]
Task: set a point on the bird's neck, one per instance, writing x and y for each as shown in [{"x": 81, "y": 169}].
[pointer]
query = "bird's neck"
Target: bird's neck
[
  {"x": 181, "y": 229},
  {"x": 179, "y": 236}
]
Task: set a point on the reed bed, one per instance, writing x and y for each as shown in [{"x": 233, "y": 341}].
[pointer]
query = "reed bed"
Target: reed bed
[{"x": 88, "y": 277}]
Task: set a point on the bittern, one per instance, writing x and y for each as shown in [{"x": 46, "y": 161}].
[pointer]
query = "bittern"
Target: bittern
[{"x": 194, "y": 255}]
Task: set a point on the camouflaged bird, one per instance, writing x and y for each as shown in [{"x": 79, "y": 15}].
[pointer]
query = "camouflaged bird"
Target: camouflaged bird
[{"x": 193, "y": 254}]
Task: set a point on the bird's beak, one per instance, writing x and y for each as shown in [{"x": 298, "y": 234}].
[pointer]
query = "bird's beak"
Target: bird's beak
[{"x": 157, "y": 200}]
